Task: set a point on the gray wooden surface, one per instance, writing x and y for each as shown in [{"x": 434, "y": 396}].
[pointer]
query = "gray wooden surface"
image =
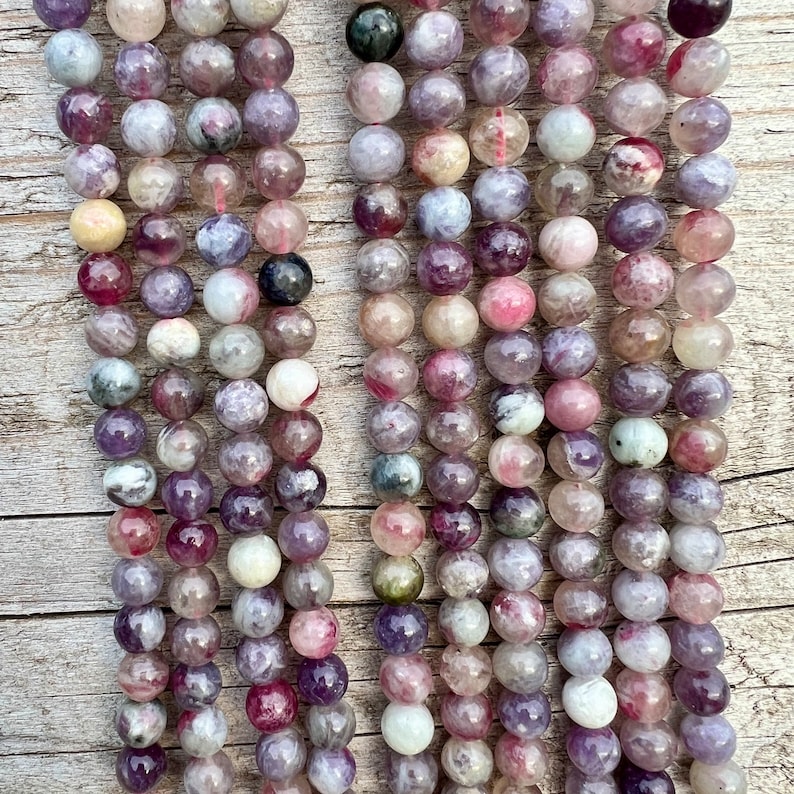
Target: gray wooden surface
[{"x": 57, "y": 654}]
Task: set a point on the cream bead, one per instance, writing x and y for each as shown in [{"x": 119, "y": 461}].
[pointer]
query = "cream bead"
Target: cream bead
[
  {"x": 292, "y": 384},
  {"x": 255, "y": 14},
  {"x": 702, "y": 344},
  {"x": 136, "y": 20},
  {"x": 589, "y": 702},
  {"x": 254, "y": 562},
  {"x": 450, "y": 322},
  {"x": 408, "y": 730},
  {"x": 237, "y": 351},
  {"x": 173, "y": 342},
  {"x": 98, "y": 226}
]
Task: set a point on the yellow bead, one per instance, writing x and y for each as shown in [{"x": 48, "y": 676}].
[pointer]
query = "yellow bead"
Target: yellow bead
[{"x": 98, "y": 226}]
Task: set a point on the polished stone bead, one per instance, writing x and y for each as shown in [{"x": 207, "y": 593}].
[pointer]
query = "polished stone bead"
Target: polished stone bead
[
  {"x": 289, "y": 332},
  {"x": 240, "y": 405},
  {"x": 437, "y": 99},
  {"x": 502, "y": 249},
  {"x": 143, "y": 676},
  {"x": 200, "y": 17},
  {"x": 566, "y": 133},
  {"x": 695, "y": 598},
  {"x": 454, "y": 526},
  {"x": 710, "y": 740},
  {"x": 515, "y": 461},
  {"x": 230, "y": 296},
  {"x": 443, "y": 214},
  {"x": 498, "y": 75},
  {"x": 112, "y": 382},
  {"x": 644, "y": 697},
  {"x": 467, "y": 764},
  {"x": 104, "y": 278},
  {"x": 516, "y": 409},
  {"x": 158, "y": 239},
  {"x": 700, "y": 125},
  {"x": 271, "y": 707},
  {"x": 390, "y": 374},
  {"x": 635, "y": 107},
  {"x": 498, "y": 136},
  {"x": 581, "y": 605},
  {"x": 206, "y": 67},
  {"x": 261, "y": 660},
  {"x": 395, "y": 477},
  {"x": 562, "y": 190},
  {"x": 566, "y": 299},
  {"x": 177, "y": 393},
  {"x": 705, "y": 181},
  {"x": 639, "y": 595},
  {"x": 97, "y": 226},
  {"x": 61, "y": 14},
  {"x": 136, "y": 20},
  {"x": 397, "y": 581},
  {"x": 517, "y": 512},
  {"x": 73, "y": 57},
  {"x": 642, "y": 647},
  {"x": 393, "y": 427},
  {"x": 214, "y": 773},
  {"x": 512, "y": 358},
  {"x": 466, "y": 671},
  {"x": 500, "y": 194},
  {"x": 589, "y": 702},
  {"x": 271, "y": 116},
  {"x": 569, "y": 352},
  {"x": 572, "y": 405},
  {"x": 520, "y": 668},
  {"x": 593, "y": 751},
  {"x": 191, "y": 543},
  {"x": 278, "y": 171},
  {"x": 374, "y": 32},
  {"x": 246, "y": 510},
  {"x": 140, "y": 770},
  {"x": 254, "y": 562},
  {"x": 577, "y": 556},
  {"x": 639, "y": 390},
  {"x": 400, "y": 630},
  {"x": 506, "y": 303},
  {"x": 637, "y": 442},
  {"x": 137, "y": 582},
  {"x": 568, "y": 243},
  {"x": 280, "y": 755},
  {"x": 322, "y": 682},
  {"x": 696, "y": 646},
  {"x": 92, "y": 171},
  {"x": 697, "y": 18},
  {"x": 696, "y": 548},
  {"x": 375, "y": 93},
  {"x": 652, "y": 746},
  {"x": 167, "y": 291},
  {"x": 559, "y": 23},
  {"x": 698, "y": 445},
  {"x": 411, "y": 774},
  {"x": 139, "y": 629},
  {"x": 382, "y": 266},
  {"x": 449, "y": 375},
  {"x": 285, "y": 279},
  {"x": 406, "y": 679},
  {"x": 434, "y": 40},
  {"x": 280, "y": 226},
  {"x": 202, "y": 733},
  {"x": 195, "y": 642},
  {"x": 702, "y": 692},
  {"x": 314, "y": 633},
  {"x": 111, "y": 331},
  {"x": 213, "y": 125},
  {"x": 450, "y": 321},
  {"x": 257, "y": 15},
  {"x": 331, "y": 771},
  {"x": 641, "y": 545},
  {"x": 642, "y": 280},
  {"x": 187, "y": 494},
  {"x": 634, "y": 780},
  {"x": 133, "y": 532},
  {"x": 702, "y": 394},
  {"x": 634, "y": 46},
  {"x": 236, "y": 351},
  {"x": 638, "y": 494},
  {"x": 517, "y": 617},
  {"x": 385, "y": 320},
  {"x": 575, "y": 456},
  {"x": 380, "y": 210},
  {"x": 331, "y": 727},
  {"x": 698, "y": 67},
  {"x": 155, "y": 185},
  {"x": 440, "y": 157},
  {"x": 444, "y": 268},
  {"x": 142, "y": 71},
  {"x": 498, "y": 21},
  {"x": 703, "y": 236},
  {"x": 398, "y": 529},
  {"x": 182, "y": 445},
  {"x": 576, "y": 506},
  {"x": 633, "y": 167},
  {"x": 462, "y": 574},
  {"x": 567, "y": 75},
  {"x": 463, "y": 621},
  {"x": 635, "y": 223},
  {"x": 376, "y": 153},
  {"x": 300, "y": 486},
  {"x": 640, "y": 336},
  {"x": 265, "y": 59},
  {"x": 148, "y": 128},
  {"x": 140, "y": 725}
]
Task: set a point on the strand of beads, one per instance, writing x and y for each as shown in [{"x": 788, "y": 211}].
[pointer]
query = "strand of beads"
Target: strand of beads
[
  {"x": 98, "y": 226},
  {"x": 639, "y": 389},
  {"x": 701, "y": 343},
  {"x": 375, "y": 94},
  {"x": 265, "y": 61}
]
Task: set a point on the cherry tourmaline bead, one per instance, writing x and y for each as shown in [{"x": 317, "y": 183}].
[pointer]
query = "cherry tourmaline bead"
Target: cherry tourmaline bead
[
  {"x": 158, "y": 239},
  {"x": 314, "y": 633},
  {"x": 139, "y": 770},
  {"x": 593, "y": 751},
  {"x": 634, "y": 780},
  {"x": 434, "y": 40},
  {"x": 466, "y": 717},
  {"x": 401, "y": 630},
  {"x": 271, "y": 707},
  {"x": 572, "y": 404},
  {"x": 119, "y": 433},
  {"x": 498, "y": 21},
  {"x": 133, "y": 531},
  {"x": 177, "y": 393},
  {"x": 143, "y": 676},
  {"x": 702, "y": 692},
  {"x": 449, "y": 375},
  {"x": 406, "y": 679},
  {"x": 84, "y": 115},
  {"x": 634, "y": 46},
  {"x": 698, "y": 445},
  {"x": 191, "y": 543},
  {"x": 454, "y": 526},
  {"x": 390, "y": 374},
  {"x": 322, "y": 682},
  {"x": 452, "y": 478},
  {"x": 581, "y": 605},
  {"x": 265, "y": 59},
  {"x": 698, "y": 67},
  {"x": 697, "y": 18},
  {"x": 635, "y": 223},
  {"x": 567, "y": 75},
  {"x": 380, "y": 210},
  {"x": 695, "y": 597}
]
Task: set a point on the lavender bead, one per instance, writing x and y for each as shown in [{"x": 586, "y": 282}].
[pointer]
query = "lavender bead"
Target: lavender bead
[
  {"x": 92, "y": 171},
  {"x": 271, "y": 116},
  {"x": 710, "y": 740},
  {"x": 500, "y": 194},
  {"x": 61, "y": 14},
  {"x": 634, "y": 780},
  {"x": 452, "y": 427},
  {"x": 213, "y": 125},
  {"x": 261, "y": 660},
  {"x": 452, "y": 478},
  {"x": 331, "y": 727},
  {"x": 444, "y": 268},
  {"x": 322, "y": 682},
  {"x": 513, "y": 357},
  {"x": 705, "y": 181},
  {"x": 257, "y": 613},
  {"x": 331, "y": 771},
  {"x": 382, "y": 266},
  {"x": 139, "y": 629},
  {"x": 702, "y": 394},
  {"x": 635, "y": 223},
  {"x": 142, "y": 71},
  {"x": 167, "y": 291},
  {"x": 148, "y": 128},
  {"x": 246, "y": 510},
  {"x": 638, "y": 494},
  {"x": 515, "y": 563},
  {"x": 73, "y": 58},
  {"x": 593, "y": 751},
  {"x": 695, "y": 498},
  {"x": 569, "y": 352},
  {"x": 411, "y": 774},
  {"x": 401, "y": 631},
  {"x": 577, "y": 556},
  {"x": 576, "y": 456},
  {"x": 241, "y": 405},
  {"x": 697, "y": 646},
  {"x": 140, "y": 724},
  {"x": 281, "y": 755},
  {"x": 437, "y": 99},
  {"x": 443, "y": 214},
  {"x": 520, "y": 668},
  {"x": 308, "y": 585},
  {"x": 702, "y": 692},
  {"x": 498, "y": 75},
  {"x": 376, "y": 153},
  {"x": 639, "y": 595},
  {"x": 433, "y": 40},
  {"x": 502, "y": 249},
  {"x": 137, "y": 581},
  {"x": 696, "y": 548},
  {"x": 84, "y": 115},
  {"x": 635, "y": 106},
  {"x": 700, "y": 125},
  {"x": 159, "y": 239},
  {"x": 584, "y": 652},
  {"x": 303, "y": 537},
  {"x": 196, "y": 688},
  {"x": 223, "y": 240},
  {"x": 119, "y": 433},
  {"x": 524, "y": 715},
  {"x": 561, "y": 22},
  {"x": 640, "y": 390},
  {"x": 206, "y": 67},
  {"x": 393, "y": 426}
]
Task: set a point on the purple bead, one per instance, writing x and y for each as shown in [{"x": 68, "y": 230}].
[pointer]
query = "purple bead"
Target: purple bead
[
  {"x": 393, "y": 426},
  {"x": 303, "y": 537},
  {"x": 517, "y": 512},
  {"x": 700, "y": 647},
  {"x": 577, "y": 455},
  {"x": 449, "y": 375},
  {"x": 142, "y": 70},
  {"x": 322, "y": 682},
  {"x": 513, "y": 357},
  {"x": 177, "y": 393},
  {"x": 444, "y": 268},
  {"x": 137, "y": 581},
  {"x": 639, "y": 390},
  {"x": 705, "y": 181},
  {"x": 191, "y": 543},
  {"x": 696, "y": 18},
  {"x": 635, "y": 223},
  {"x": 702, "y": 394},
  {"x": 434, "y": 40},
  {"x": 223, "y": 240},
  {"x": 206, "y": 67},
  {"x": 167, "y": 291},
  {"x": 561, "y": 22},
  {"x": 455, "y": 526},
  {"x": 700, "y": 125},
  {"x": 271, "y": 116},
  {"x": 257, "y": 612},
  {"x": 158, "y": 239},
  {"x": 524, "y": 715},
  {"x": 187, "y": 494},
  {"x": 502, "y": 249},
  {"x": 84, "y": 115},
  {"x": 452, "y": 478},
  {"x": 139, "y": 629},
  {"x": 443, "y": 213},
  {"x": 246, "y": 510},
  {"x": 569, "y": 352},
  {"x": 92, "y": 171},
  {"x": 638, "y": 494},
  {"x": 280, "y": 755},
  {"x": 380, "y": 210},
  {"x": 196, "y": 688},
  {"x": 261, "y": 660},
  {"x": 702, "y": 692},
  {"x": 498, "y": 75},
  {"x": 500, "y": 194},
  {"x": 515, "y": 563},
  {"x": 401, "y": 631},
  {"x": 634, "y": 780},
  {"x": 332, "y": 771},
  {"x": 710, "y": 740},
  {"x": 578, "y": 783},
  {"x": 300, "y": 486},
  {"x": 265, "y": 59},
  {"x": 411, "y": 774},
  {"x": 119, "y": 433},
  {"x": 63, "y": 14},
  {"x": 695, "y": 498},
  {"x": 593, "y": 751},
  {"x": 437, "y": 99},
  {"x": 139, "y": 770}
]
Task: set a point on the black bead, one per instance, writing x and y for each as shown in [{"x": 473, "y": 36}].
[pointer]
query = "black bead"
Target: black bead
[
  {"x": 374, "y": 32},
  {"x": 696, "y": 18},
  {"x": 285, "y": 279}
]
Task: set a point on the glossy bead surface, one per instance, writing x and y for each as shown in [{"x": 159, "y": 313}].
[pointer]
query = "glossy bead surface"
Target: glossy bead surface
[
  {"x": 640, "y": 336},
  {"x": 575, "y": 456},
  {"x": 167, "y": 292},
  {"x": 695, "y": 598},
  {"x": 407, "y": 729},
  {"x": 140, "y": 770},
  {"x": 705, "y": 181},
  {"x": 644, "y": 697},
  {"x": 498, "y": 75},
  {"x": 635, "y": 106},
  {"x": 136, "y": 20},
  {"x": 155, "y": 185},
  {"x": 236, "y": 351},
  {"x": 566, "y": 133},
  {"x": 512, "y": 357},
  {"x": 280, "y": 227},
  {"x": 703, "y": 235},
  {"x": 61, "y": 14},
  {"x": 593, "y": 751},
  {"x": 699, "y": 647},
  {"x": 271, "y": 707},
  {"x": 572, "y": 405},
  {"x": 265, "y": 59},
  {"x": 517, "y": 512},
  {"x": 374, "y": 32},
  {"x": 702, "y": 692},
  {"x": 557, "y": 24},
  {"x": 698, "y": 68},
  {"x": 433, "y": 40},
  {"x": 500, "y": 194},
  {"x": 498, "y": 136},
  {"x": 443, "y": 213},
  {"x": 516, "y": 409},
  {"x": 271, "y": 116},
  {"x": 191, "y": 543},
  {"x": 158, "y": 239},
  {"x": 240, "y": 405},
  {"x": 73, "y": 58},
  {"x": 702, "y": 394},
  {"x": 289, "y": 332},
  {"x": 696, "y": 18},
  {"x": 634, "y": 46},
  {"x": 727, "y": 778},
  {"x": 390, "y": 374},
  {"x": 567, "y": 75},
  {"x": 698, "y": 445},
  {"x": 700, "y": 125},
  {"x": 206, "y": 67},
  {"x": 633, "y": 167},
  {"x": 141, "y": 71},
  {"x": 589, "y": 702},
  {"x": 506, "y": 303},
  {"x": 449, "y": 375},
  {"x": 466, "y": 671},
  {"x": 568, "y": 243},
  {"x": 562, "y": 190},
  {"x": 566, "y": 299},
  {"x": 650, "y": 746},
  {"x": 375, "y": 93},
  {"x": 438, "y": 99}
]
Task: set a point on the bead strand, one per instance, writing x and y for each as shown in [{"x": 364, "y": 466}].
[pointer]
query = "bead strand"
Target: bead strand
[
  {"x": 375, "y": 94},
  {"x": 701, "y": 343}
]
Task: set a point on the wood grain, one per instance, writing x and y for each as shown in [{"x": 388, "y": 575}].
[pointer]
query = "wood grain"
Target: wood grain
[{"x": 57, "y": 655}]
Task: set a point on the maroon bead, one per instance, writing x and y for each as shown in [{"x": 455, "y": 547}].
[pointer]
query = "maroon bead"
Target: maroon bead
[
  {"x": 191, "y": 543},
  {"x": 455, "y": 527},
  {"x": 271, "y": 707},
  {"x": 380, "y": 210},
  {"x": 696, "y": 18},
  {"x": 84, "y": 115},
  {"x": 177, "y": 393},
  {"x": 105, "y": 279}
]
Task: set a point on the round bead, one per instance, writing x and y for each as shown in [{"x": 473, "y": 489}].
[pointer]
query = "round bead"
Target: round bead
[
  {"x": 515, "y": 461},
  {"x": 438, "y": 99},
  {"x": 702, "y": 394},
  {"x": 148, "y": 128},
  {"x": 498, "y": 136},
  {"x": 443, "y": 213},
  {"x": 696, "y": 18},
  {"x": 73, "y": 57},
  {"x": 702, "y": 692},
  {"x": 639, "y": 390},
  {"x": 575, "y": 456},
  {"x": 567, "y": 75},
  {"x": 705, "y": 181},
  {"x": 572, "y": 405},
  {"x": 136, "y": 20},
  {"x": 468, "y": 764},
  {"x": 710, "y": 740},
  {"x": 59, "y": 15},
  {"x": 569, "y": 352},
  {"x": 158, "y": 239},
  {"x": 143, "y": 676},
  {"x": 563, "y": 190},
  {"x": 633, "y": 167},
  {"x": 292, "y": 384},
  {"x": 498, "y": 75},
  {"x": 642, "y": 280},
  {"x": 331, "y": 727},
  {"x": 98, "y": 225},
  {"x": 589, "y": 702},
  {"x": 638, "y": 494},
  {"x": 566, "y": 299},
  {"x": 434, "y": 40},
  {"x": 512, "y": 358},
  {"x": 449, "y": 322},
  {"x": 449, "y": 375},
  {"x": 181, "y": 446},
  {"x": 576, "y": 506},
  {"x": 559, "y": 23},
  {"x": 155, "y": 185},
  {"x": 254, "y": 562},
  {"x": 566, "y": 133},
  {"x": 635, "y": 106},
  {"x": 230, "y": 296},
  {"x": 498, "y": 21},
  {"x": 516, "y": 409},
  {"x": 407, "y": 729},
  {"x": 593, "y": 751},
  {"x": 218, "y": 183},
  {"x": 637, "y": 442},
  {"x": 167, "y": 292},
  {"x": 140, "y": 725},
  {"x": 236, "y": 351},
  {"x": 206, "y": 67},
  {"x": 191, "y": 542},
  {"x": 698, "y": 68},
  {"x": 255, "y": 15},
  {"x": 568, "y": 243},
  {"x": 374, "y": 32},
  {"x": 112, "y": 382},
  {"x": 703, "y": 235},
  {"x": 241, "y": 405},
  {"x": 700, "y": 125},
  {"x": 463, "y": 621},
  {"x": 650, "y": 746},
  {"x": 517, "y": 512},
  {"x": 375, "y": 93},
  {"x": 634, "y": 46},
  {"x": 585, "y": 652},
  {"x": 440, "y": 157},
  {"x": 141, "y": 769},
  {"x": 92, "y": 171},
  {"x": 698, "y": 445},
  {"x": 142, "y": 71},
  {"x": 640, "y": 336},
  {"x": 727, "y": 778},
  {"x": 642, "y": 647}
]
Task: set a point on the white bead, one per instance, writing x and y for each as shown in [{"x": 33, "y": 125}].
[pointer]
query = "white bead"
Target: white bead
[
  {"x": 199, "y": 17},
  {"x": 73, "y": 57},
  {"x": 148, "y": 128},
  {"x": 566, "y": 134},
  {"x": 254, "y": 562},
  {"x": 589, "y": 702},
  {"x": 292, "y": 384},
  {"x": 255, "y": 14},
  {"x": 181, "y": 446},
  {"x": 237, "y": 351},
  {"x": 463, "y": 621},
  {"x": 173, "y": 342},
  {"x": 203, "y": 732},
  {"x": 696, "y": 548},
  {"x": 467, "y": 763},
  {"x": 408, "y": 730},
  {"x": 230, "y": 296},
  {"x": 642, "y": 647},
  {"x": 637, "y": 442}
]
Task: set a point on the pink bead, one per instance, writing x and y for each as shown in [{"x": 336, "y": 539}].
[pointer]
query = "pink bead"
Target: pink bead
[
  {"x": 522, "y": 761},
  {"x": 105, "y": 279},
  {"x": 143, "y": 676},
  {"x": 271, "y": 707},
  {"x": 645, "y": 697},
  {"x": 567, "y": 75},
  {"x": 133, "y": 532},
  {"x": 576, "y": 506},
  {"x": 398, "y": 529},
  {"x": 314, "y": 633},
  {"x": 581, "y": 605},
  {"x": 635, "y": 106},
  {"x": 281, "y": 226},
  {"x": 633, "y": 167},
  {"x": 568, "y": 243},
  {"x": 515, "y": 461},
  {"x": 642, "y": 281},
  {"x": 698, "y": 445},
  {"x": 698, "y": 67},
  {"x": 634, "y": 46},
  {"x": 704, "y": 235},
  {"x": 695, "y": 597},
  {"x": 517, "y": 617},
  {"x": 390, "y": 374},
  {"x": 572, "y": 405},
  {"x": 506, "y": 303},
  {"x": 406, "y": 679},
  {"x": 466, "y": 717},
  {"x": 375, "y": 93},
  {"x": 705, "y": 290},
  {"x": 466, "y": 671},
  {"x": 652, "y": 746}
]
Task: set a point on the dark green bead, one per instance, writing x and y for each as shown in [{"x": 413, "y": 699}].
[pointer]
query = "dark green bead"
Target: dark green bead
[
  {"x": 397, "y": 581},
  {"x": 374, "y": 32},
  {"x": 395, "y": 477}
]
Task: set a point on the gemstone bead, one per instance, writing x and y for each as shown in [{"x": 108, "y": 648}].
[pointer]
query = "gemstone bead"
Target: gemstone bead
[
  {"x": 593, "y": 751},
  {"x": 650, "y": 746},
  {"x": 92, "y": 171},
  {"x": 143, "y": 676},
  {"x": 449, "y": 375},
  {"x": 443, "y": 214},
  {"x": 498, "y": 136},
  {"x": 240, "y": 405},
  {"x": 702, "y": 394},
  {"x": 563, "y": 190},
  {"x": 700, "y": 125},
  {"x": 374, "y": 32},
  {"x": 191, "y": 543},
  {"x": 498, "y": 75},
  {"x": 633, "y": 166},
  {"x": 697, "y": 18},
  {"x": 142, "y": 71},
  {"x": 61, "y": 14},
  {"x": 634, "y": 46},
  {"x": 698, "y": 68},
  {"x": 158, "y": 239},
  {"x": 634, "y": 780},
  {"x": 567, "y": 75},
  {"x": 136, "y": 20},
  {"x": 195, "y": 642},
  {"x": 98, "y": 226},
  {"x": 703, "y": 235},
  {"x": 513, "y": 357},
  {"x": 589, "y": 702},
  {"x": 559, "y": 23},
  {"x": 576, "y": 456},
  {"x": 434, "y": 40},
  {"x": 566, "y": 133},
  {"x": 406, "y": 679},
  {"x": 155, "y": 185},
  {"x": 500, "y": 194},
  {"x": 140, "y": 770},
  {"x": 375, "y": 93},
  {"x": 702, "y": 692},
  {"x": 382, "y": 266},
  {"x": 568, "y": 243},
  {"x": 331, "y": 727},
  {"x": 727, "y": 778},
  {"x": 289, "y": 332},
  {"x": 466, "y": 671},
  {"x": 502, "y": 249},
  {"x": 401, "y": 630},
  {"x": 73, "y": 57},
  {"x": 695, "y": 598},
  {"x": 140, "y": 725},
  {"x": 566, "y": 299},
  {"x": 281, "y": 755},
  {"x": 271, "y": 116},
  {"x": 698, "y": 445},
  {"x": 265, "y": 59},
  {"x": 206, "y": 67},
  {"x": 438, "y": 99},
  {"x": 635, "y": 106},
  {"x": 705, "y": 181},
  {"x": 572, "y": 405},
  {"x": 271, "y": 707},
  {"x": 644, "y": 697},
  {"x": 516, "y": 409},
  {"x": 236, "y": 351},
  {"x": 498, "y": 21}
]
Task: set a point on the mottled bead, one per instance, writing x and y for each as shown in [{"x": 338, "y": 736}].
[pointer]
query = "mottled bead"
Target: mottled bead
[
  {"x": 695, "y": 598},
  {"x": 498, "y": 136},
  {"x": 230, "y": 296},
  {"x": 241, "y": 405},
  {"x": 727, "y": 778},
  {"x": 652, "y": 746},
  {"x": 322, "y": 682},
  {"x": 265, "y": 59},
  {"x": 148, "y": 128},
  {"x": 590, "y": 702},
  {"x": 696, "y": 18},
  {"x": 112, "y": 382},
  {"x": 73, "y": 57},
  {"x": 331, "y": 727},
  {"x": 300, "y": 486},
  {"x": 593, "y": 751},
  {"x": 111, "y": 331},
  {"x": 450, "y": 321},
  {"x": 195, "y": 642},
  {"x": 271, "y": 116},
  {"x": 644, "y": 697},
  {"x": 452, "y": 478},
  {"x": 142, "y": 71},
  {"x": 395, "y": 477},
  {"x": 191, "y": 543},
  {"x": 452, "y": 427},
  {"x": 698, "y": 67},
  {"x": 559, "y": 23},
  {"x": 314, "y": 633},
  {"x": 702, "y": 394},
  {"x": 206, "y": 67},
  {"x": 255, "y": 15},
  {"x": 517, "y": 512},
  {"x": 397, "y": 581},
  {"x": 463, "y": 621},
  {"x": 633, "y": 167},
  {"x": 700, "y": 125},
  {"x": 158, "y": 239},
  {"x": 634, "y": 780},
  {"x": 374, "y": 32},
  {"x": 516, "y": 409},
  {"x": 440, "y": 157},
  {"x": 444, "y": 268},
  {"x": 576, "y": 506},
  {"x": 702, "y": 692},
  {"x": 498, "y": 75},
  {"x": 498, "y": 21},
  {"x": 703, "y": 235},
  {"x": 140, "y": 724},
  {"x": 177, "y": 393},
  {"x": 140, "y": 770},
  {"x": 202, "y": 733},
  {"x": 567, "y": 75},
  {"x": 705, "y": 181},
  {"x": 331, "y": 771},
  {"x": 449, "y": 375},
  {"x": 84, "y": 115},
  {"x": 289, "y": 332},
  {"x": 639, "y": 596},
  {"x": 278, "y": 171},
  {"x": 137, "y": 582},
  {"x": 513, "y": 357},
  {"x": 506, "y": 303},
  {"x": 280, "y": 226},
  {"x": 566, "y": 299},
  {"x": 635, "y": 106},
  {"x": 634, "y": 46},
  {"x": 517, "y": 617},
  {"x": 261, "y": 660},
  {"x": 580, "y": 605},
  {"x": 155, "y": 185},
  {"x": 468, "y": 764},
  {"x": 434, "y": 40},
  {"x": 641, "y": 545},
  {"x": 643, "y": 280},
  {"x": 92, "y": 171},
  {"x": 285, "y": 279},
  {"x": 375, "y": 93},
  {"x": 104, "y": 278},
  {"x": 271, "y": 707},
  {"x": 398, "y": 529},
  {"x": 280, "y": 755},
  {"x": 437, "y": 99},
  {"x": 638, "y": 494},
  {"x": 699, "y": 647},
  {"x": 500, "y": 194},
  {"x": 390, "y": 374},
  {"x": 568, "y": 243},
  {"x": 400, "y": 630},
  {"x": 136, "y": 20},
  {"x": 382, "y": 266},
  {"x": 376, "y": 153},
  {"x": 639, "y": 389},
  {"x": 572, "y": 404},
  {"x": 640, "y": 336},
  {"x": 131, "y": 482},
  {"x": 566, "y": 133},
  {"x": 133, "y": 532},
  {"x": 514, "y": 563},
  {"x": 643, "y": 647},
  {"x": 218, "y": 183},
  {"x": 393, "y": 427},
  {"x": 462, "y": 573},
  {"x": 576, "y": 556},
  {"x": 214, "y": 773},
  {"x": 385, "y": 320},
  {"x": 467, "y": 718},
  {"x": 406, "y": 679},
  {"x": 443, "y": 213},
  {"x": 143, "y": 676},
  {"x": 167, "y": 291},
  {"x": 97, "y": 226},
  {"x": 635, "y": 223},
  {"x": 563, "y": 190},
  {"x": 502, "y": 249},
  {"x": 380, "y": 210},
  {"x": 698, "y": 445},
  {"x": 139, "y": 629},
  {"x": 520, "y": 668},
  {"x": 61, "y": 14},
  {"x": 515, "y": 461},
  {"x": 575, "y": 456},
  {"x": 569, "y": 352},
  {"x": 236, "y": 351},
  {"x": 637, "y": 442},
  {"x": 213, "y": 125},
  {"x": 181, "y": 446}
]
